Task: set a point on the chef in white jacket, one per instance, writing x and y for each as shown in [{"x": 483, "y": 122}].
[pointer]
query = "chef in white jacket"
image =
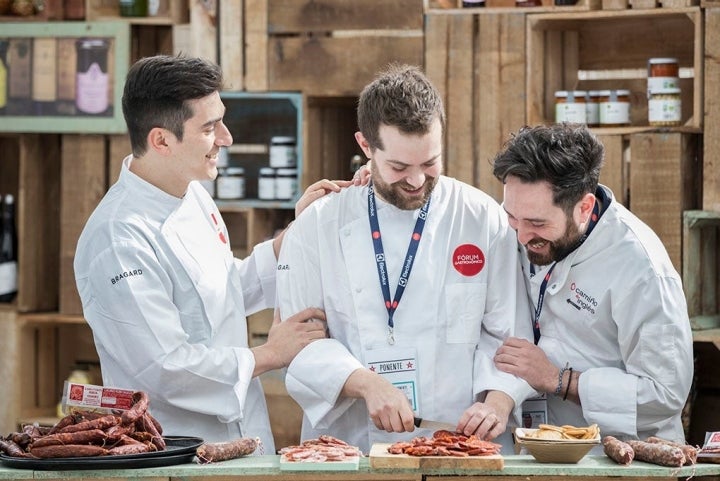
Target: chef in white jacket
[
  {"x": 160, "y": 288},
  {"x": 419, "y": 277},
  {"x": 613, "y": 343}
]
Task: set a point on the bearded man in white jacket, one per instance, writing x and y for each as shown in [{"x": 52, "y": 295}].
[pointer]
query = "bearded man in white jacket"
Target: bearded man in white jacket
[
  {"x": 419, "y": 277},
  {"x": 613, "y": 343}
]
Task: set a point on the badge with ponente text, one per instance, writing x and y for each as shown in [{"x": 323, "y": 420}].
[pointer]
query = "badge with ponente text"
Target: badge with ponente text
[{"x": 399, "y": 366}]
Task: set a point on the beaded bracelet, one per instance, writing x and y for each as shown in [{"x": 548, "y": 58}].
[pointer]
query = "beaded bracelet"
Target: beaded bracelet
[
  {"x": 558, "y": 389},
  {"x": 567, "y": 389}
]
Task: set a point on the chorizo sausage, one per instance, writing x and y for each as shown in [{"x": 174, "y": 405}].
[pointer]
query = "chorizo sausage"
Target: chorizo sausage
[
  {"x": 66, "y": 421},
  {"x": 137, "y": 410},
  {"x": 689, "y": 451},
  {"x": 91, "y": 436},
  {"x": 661, "y": 454},
  {"x": 135, "y": 448},
  {"x": 99, "y": 423},
  {"x": 68, "y": 451},
  {"x": 11, "y": 448},
  {"x": 213, "y": 452},
  {"x": 617, "y": 450},
  {"x": 156, "y": 438}
]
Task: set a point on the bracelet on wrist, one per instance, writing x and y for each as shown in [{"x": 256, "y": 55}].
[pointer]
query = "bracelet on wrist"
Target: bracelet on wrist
[
  {"x": 567, "y": 389},
  {"x": 558, "y": 389}
]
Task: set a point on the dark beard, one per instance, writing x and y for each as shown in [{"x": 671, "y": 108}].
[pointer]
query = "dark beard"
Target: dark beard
[
  {"x": 559, "y": 249},
  {"x": 392, "y": 194}
]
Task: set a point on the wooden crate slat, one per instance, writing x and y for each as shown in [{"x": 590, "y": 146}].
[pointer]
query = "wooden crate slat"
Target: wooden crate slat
[
  {"x": 38, "y": 223},
  {"x": 256, "y": 45},
  {"x": 711, "y": 139},
  {"x": 203, "y": 32},
  {"x": 661, "y": 175},
  {"x": 230, "y": 37},
  {"x": 613, "y": 172},
  {"x": 12, "y": 358},
  {"x": 437, "y": 28},
  {"x": 460, "y": 99},
  {"x": 330, "y": 15},
  {"x": 47, "y": 368},
  {"x": 84, "y": 182},
  {"x": 119, "y": 148},
  {"x": 701, "y": 267},
  {"x": 335, "y": 66},
  {"x": 499, "y": 90}
]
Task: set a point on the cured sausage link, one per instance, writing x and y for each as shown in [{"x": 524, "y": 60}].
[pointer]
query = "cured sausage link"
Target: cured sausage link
[
  {"x": 137, "y": 410},
  {"x": 213, "y": 452},
  {"x": 689, "y": 451},
  {"x": 661, "y": 454},
  {"x": 68, "y": 451},
  {"x": 12, "y": 449},
  {"x": 617, "y": 450},
  {"x": 91, "y": 436},
  {"x": 99, "y": 423}
]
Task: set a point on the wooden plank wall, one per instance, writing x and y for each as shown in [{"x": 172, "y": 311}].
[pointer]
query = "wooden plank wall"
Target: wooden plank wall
[
  {"x": 84, "y": 182},
  {"x": 38, "y": 223},
  {"x": 664, "y": 183},
  {"x": 347, "y": 43},
  {"x": 478, "y": 64},
  {"x": 614, "y": 173},
  {"x": 711, "y": 146},
  {"x": 10, "y": 361}
]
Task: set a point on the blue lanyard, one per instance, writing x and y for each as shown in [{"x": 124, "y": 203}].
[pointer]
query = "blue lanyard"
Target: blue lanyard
[
  {"x": 543, "y": 286},
  {"x": 391, "y": 305}
]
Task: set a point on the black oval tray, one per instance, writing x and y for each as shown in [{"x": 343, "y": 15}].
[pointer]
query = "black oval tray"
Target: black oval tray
[{"x": 179, "y": 450}]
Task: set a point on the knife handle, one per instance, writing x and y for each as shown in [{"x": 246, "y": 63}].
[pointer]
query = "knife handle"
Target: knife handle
[{"x": 417, "y": 421}]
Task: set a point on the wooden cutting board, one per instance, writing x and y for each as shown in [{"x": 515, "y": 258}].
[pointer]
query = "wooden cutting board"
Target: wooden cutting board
[{"x": 380, "y": 458}]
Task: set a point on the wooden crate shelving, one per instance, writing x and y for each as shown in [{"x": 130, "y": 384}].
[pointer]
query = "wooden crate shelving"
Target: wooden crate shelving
[
  {"x": 609, "y": 50},
  {"x": 331, "y": 48},
  {"x": 701, "y": 268}
]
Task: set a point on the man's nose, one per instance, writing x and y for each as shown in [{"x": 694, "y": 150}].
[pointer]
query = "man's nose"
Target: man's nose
[{"x": 416, "y": 179}]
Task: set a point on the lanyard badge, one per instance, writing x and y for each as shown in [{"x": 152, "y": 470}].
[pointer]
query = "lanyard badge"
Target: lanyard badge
[{"x": 392, "y": 303}]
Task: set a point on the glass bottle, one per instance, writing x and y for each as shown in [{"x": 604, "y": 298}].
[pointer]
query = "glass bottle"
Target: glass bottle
[
  {"x": 133, "y": 8},
  {"x": 92, "y": 81},
  {"x": 8, "y": 251},
  {"x": 3, "y": 74}
]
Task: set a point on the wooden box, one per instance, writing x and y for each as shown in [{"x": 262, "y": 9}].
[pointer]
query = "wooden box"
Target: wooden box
[
  {"x": 608, "y": 50},
  {"x": 664, "y": 183},
  {"x": 711, "y": 145},
  {"x": 30, "y": 170},
  {"x": 701, "y": 267},
  {"x": 333, "y": 47},
  {"x": 477, "y": 62},
  {"x": 169, "y": 12}
]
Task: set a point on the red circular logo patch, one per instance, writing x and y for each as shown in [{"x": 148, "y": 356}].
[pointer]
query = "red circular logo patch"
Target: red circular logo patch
[{"x": 468, "y": 259}]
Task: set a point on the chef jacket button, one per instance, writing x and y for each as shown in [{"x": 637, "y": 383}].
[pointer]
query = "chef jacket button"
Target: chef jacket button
[
  {"x": 347, "y": 232},
  {"x": 553, "y": 286},
  {"x": 358, "y": 290}
]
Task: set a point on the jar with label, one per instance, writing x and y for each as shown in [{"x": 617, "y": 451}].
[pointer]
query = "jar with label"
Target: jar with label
[
  {"x": 570, "y": 106},
  {"x": 285, "y": 184},
  {"x": 282, "y": 152},
  {"x": 665, "y": 107},
  {"x": 663, "y": 73},
  {"x": 266, "y": 183},
  {"x": 473, "y": 4},
  {"x": 230, "y": 184},
  {"x": 614, "y": 108},
  {"x": 592, "y": 108}
]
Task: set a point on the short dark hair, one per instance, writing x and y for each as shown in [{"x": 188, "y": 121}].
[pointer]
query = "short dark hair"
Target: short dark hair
[
  {"x": 565, "y": 155},
  {"x": 157, "y": 90},
  {"x": 400, "y": 96}
]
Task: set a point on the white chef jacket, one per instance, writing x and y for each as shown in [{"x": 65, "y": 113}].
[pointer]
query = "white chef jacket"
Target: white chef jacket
[
  {"x": 455, "y": 322},
  {"x": 167, "y": 301},
  {"x": 615, "y": 310}
]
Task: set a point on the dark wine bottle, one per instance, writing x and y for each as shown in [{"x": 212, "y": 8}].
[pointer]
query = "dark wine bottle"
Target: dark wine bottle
[{"x": 8, "y": 251}]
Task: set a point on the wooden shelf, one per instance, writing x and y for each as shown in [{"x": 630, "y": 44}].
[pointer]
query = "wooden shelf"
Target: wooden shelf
[{"x": 51, "y": 318}]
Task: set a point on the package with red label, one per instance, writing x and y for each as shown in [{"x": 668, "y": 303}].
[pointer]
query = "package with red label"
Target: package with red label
[{"x": 89, "y": 397}]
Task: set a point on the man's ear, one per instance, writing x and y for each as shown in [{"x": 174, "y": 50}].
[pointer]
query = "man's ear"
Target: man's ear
[
  {"x": 364, "y": 145},
  {"x": 586, "y": 207},
  {"x": 160, "y": 140}
]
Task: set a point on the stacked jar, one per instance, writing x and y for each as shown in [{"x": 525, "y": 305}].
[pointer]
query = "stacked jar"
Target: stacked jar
[
  {"x": 664, "y": 102},
  {"x": 279, "y": 180},
  {"x": 614, "y": 108}
]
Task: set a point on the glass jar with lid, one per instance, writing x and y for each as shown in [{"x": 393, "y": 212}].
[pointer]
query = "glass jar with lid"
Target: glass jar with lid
[
  {"x": 282, "y": 152},
  {"x": 570, "y": 106},
  {"x": 614, "y": 108},
  {"x": 230, "y": 184},
  {"x": 665, "y": 107},
  {"x": 285, "y": 184},
  {"x": 663, "y": 73},
  {"x": 266, "y": 183},
  {"x": 592, "y": 108}
]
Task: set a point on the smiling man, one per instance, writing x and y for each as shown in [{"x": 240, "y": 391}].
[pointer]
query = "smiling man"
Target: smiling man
[
  {"x": 160, "y": 288},
  {"x": 613, "y": 343},
  {"x": 419, "y": 276}
]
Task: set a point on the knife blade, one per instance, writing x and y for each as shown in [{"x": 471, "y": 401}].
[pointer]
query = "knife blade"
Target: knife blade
[{"x": 435, "y": 425}]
